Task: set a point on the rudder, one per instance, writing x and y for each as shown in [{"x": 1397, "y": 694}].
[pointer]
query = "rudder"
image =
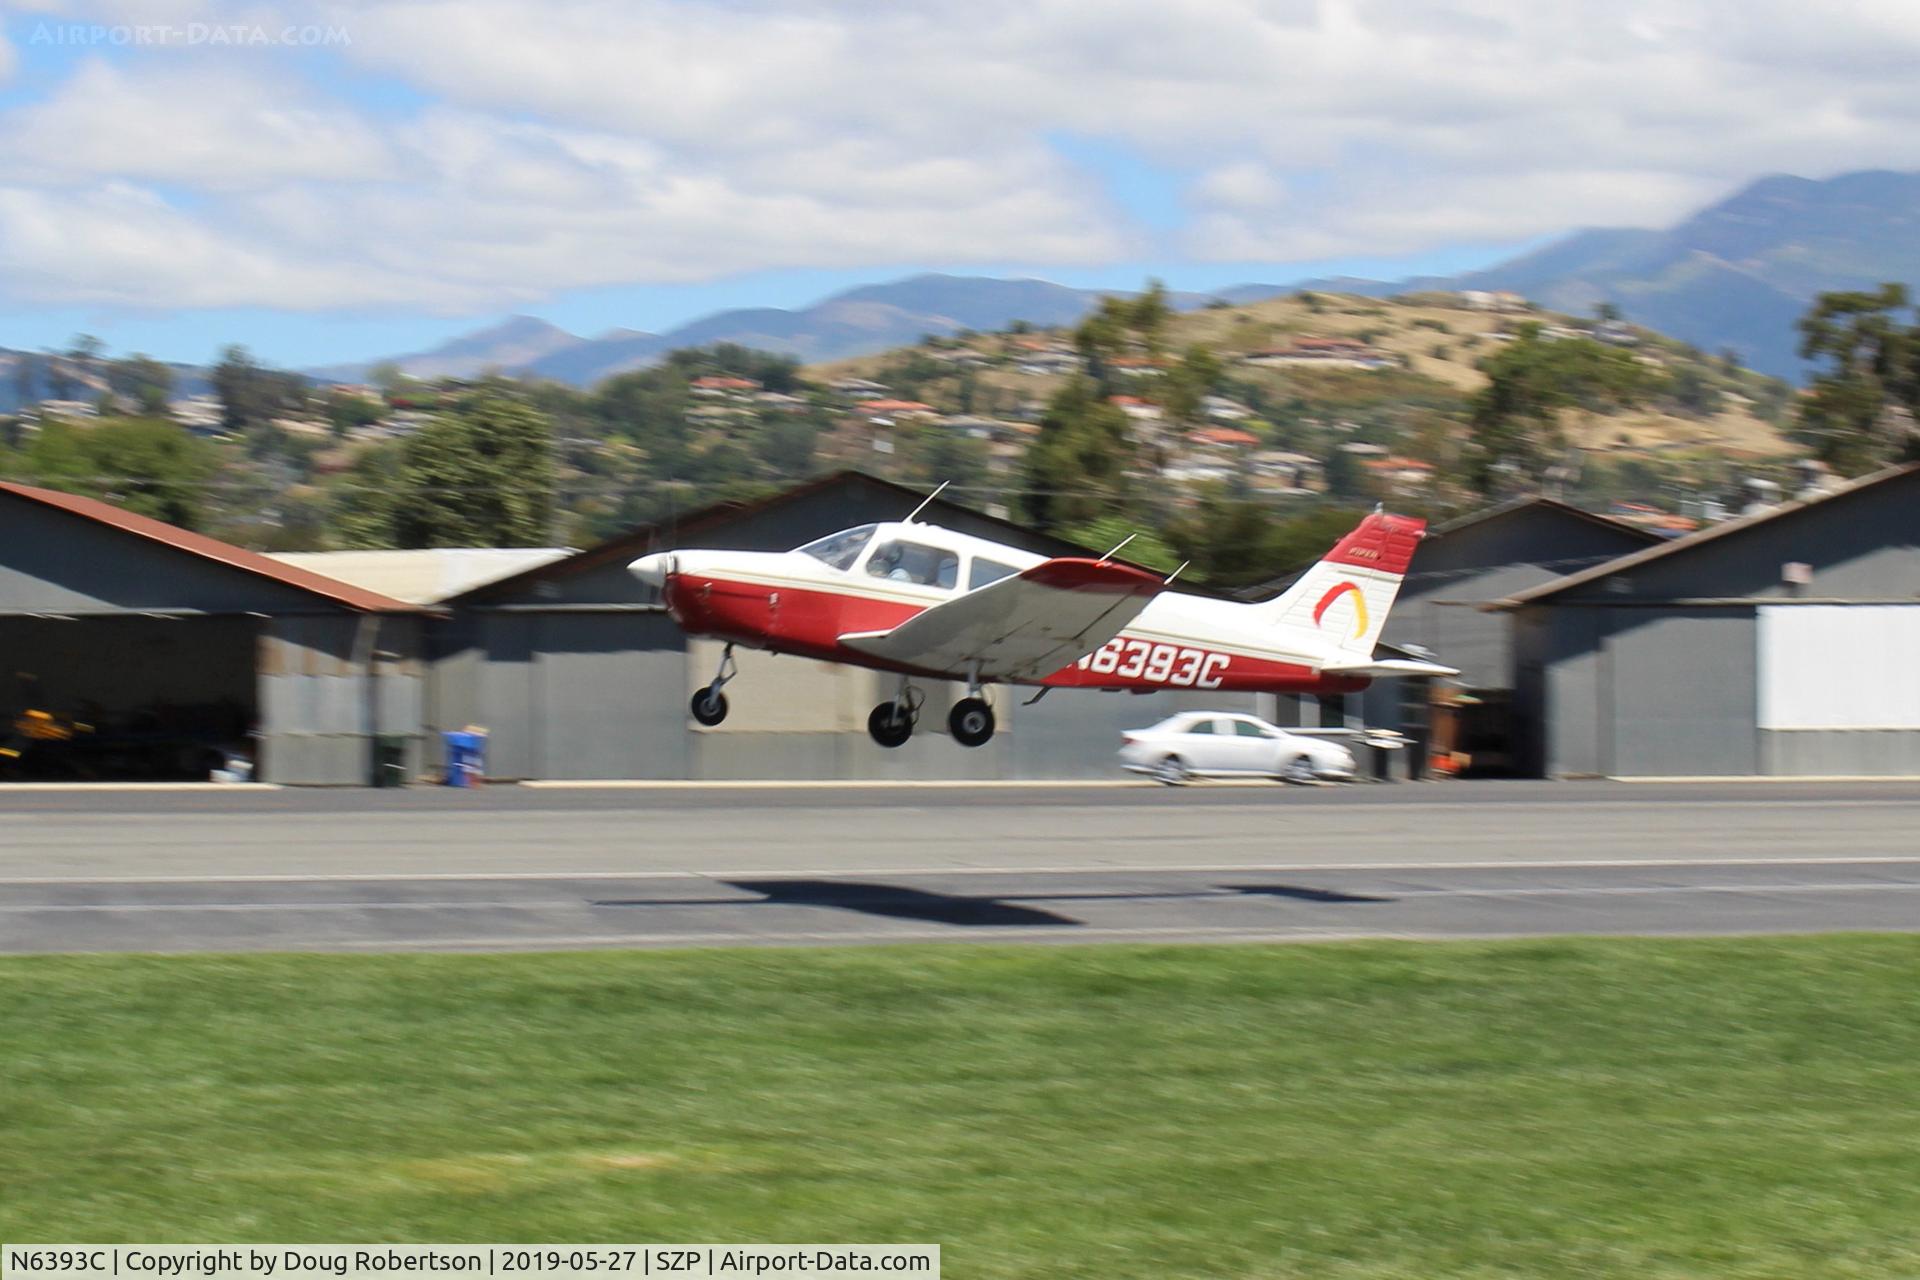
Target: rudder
[{"x": 1345, "y": 598}]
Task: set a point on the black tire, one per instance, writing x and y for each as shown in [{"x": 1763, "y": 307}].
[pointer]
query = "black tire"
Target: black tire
[
  {"x": 889, "y": 725},
  {"x": 1299, "y": 770},
  {"x": 971, "y": 722},
  {"x": 709, "y": 706},
  {"x": 1173, "y": 772}
]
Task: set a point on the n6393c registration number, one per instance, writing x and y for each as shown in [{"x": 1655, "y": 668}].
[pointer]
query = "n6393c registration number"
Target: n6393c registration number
[{"x": 1181, "y": 667}]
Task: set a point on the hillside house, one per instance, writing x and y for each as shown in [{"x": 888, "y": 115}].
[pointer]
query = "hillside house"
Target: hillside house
[
  {"x": 718, "y": 385},
  {"x": 1325, "y": 353}
]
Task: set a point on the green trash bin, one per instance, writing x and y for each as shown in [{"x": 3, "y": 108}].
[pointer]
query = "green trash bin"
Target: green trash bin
[{"x": 390, "y": 760}]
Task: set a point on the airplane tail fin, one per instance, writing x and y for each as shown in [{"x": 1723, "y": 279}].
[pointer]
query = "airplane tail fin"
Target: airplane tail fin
[{"x": 1344, "y": 598}]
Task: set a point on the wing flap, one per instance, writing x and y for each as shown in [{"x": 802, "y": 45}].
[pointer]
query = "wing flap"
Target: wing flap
[{"x": 1021, "y": 627}]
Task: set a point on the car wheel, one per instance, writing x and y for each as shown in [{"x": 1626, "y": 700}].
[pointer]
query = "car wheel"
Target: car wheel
[
  {"x": 1173, "y": 772},
  {"x": 1299, "y": 770}
]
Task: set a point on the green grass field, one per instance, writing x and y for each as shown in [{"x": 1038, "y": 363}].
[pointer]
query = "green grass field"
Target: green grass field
[{"x": 1584, "y": 1108}]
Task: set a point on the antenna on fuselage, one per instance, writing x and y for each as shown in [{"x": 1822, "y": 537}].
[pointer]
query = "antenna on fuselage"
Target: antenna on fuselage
[
  {"x": 1116, "y": 547},
  {"x": 928, "y": 501}
]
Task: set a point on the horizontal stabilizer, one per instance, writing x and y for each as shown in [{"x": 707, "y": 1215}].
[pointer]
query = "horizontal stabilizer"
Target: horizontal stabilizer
[
  {"x": 1019, "y": 628},
  {"x": 1388, "y": 667}
]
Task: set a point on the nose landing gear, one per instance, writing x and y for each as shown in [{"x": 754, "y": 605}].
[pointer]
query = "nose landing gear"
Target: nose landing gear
[{"x": 709, "y": 705}]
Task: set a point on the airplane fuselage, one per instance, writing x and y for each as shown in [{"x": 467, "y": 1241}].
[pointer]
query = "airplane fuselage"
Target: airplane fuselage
[{"x": 788, "y": 602}]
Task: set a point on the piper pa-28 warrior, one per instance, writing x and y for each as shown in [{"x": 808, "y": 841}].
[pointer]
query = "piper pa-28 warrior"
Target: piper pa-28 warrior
[{"x": 922, "y": 601}]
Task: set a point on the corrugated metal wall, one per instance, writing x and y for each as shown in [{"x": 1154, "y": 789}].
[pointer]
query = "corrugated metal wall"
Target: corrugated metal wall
[
  {"x": 580, "y": 694},
  {"x": 318, "y": 711}
]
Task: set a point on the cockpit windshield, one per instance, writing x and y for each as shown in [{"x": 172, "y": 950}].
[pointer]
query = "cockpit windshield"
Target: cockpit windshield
[{"x": 840, "y": 549}]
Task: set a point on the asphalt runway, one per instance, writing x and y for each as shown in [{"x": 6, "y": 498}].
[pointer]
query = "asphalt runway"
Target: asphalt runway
[{"x": 522, "y": 868}]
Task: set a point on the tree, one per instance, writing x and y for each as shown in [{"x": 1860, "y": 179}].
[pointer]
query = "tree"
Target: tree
[
  {"x": 1075, "y": 470},
  {"x": 479, "y": 474},
  {"x": 388, "y": 377},
  {"x": 1149, "y": 313},
  {"x": 345, "y": 411},
  {"x": 1146, "y": 548},
  {"x": 236, "y": 380},
  {"x": 1606, "y": 312},
  {"x": 1236, "y": 541},
  {"x": 144, "y": 381},
  {"x": 1102, "y": 336},
  {"x": 1515, "y": 425},
  {"x": 1859, "y": 411},
  {"x": 1190, "y": 382},
  {"x": 152, "y": 468}
]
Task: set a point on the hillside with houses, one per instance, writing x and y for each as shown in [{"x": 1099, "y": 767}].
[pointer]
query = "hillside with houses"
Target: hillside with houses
[
  {"x": 1211, "y": 430},
  {"x": 1322, "y": 395}
]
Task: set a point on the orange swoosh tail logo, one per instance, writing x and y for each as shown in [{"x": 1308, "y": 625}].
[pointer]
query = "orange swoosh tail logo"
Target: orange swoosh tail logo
[{"x": 1359, "y": 606}]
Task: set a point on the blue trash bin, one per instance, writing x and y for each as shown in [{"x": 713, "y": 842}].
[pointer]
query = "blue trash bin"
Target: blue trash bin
[{"x": 466, "y": 757}]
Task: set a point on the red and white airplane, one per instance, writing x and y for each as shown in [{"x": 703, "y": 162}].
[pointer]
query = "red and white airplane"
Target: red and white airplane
[{"x": 924, "y": 601}]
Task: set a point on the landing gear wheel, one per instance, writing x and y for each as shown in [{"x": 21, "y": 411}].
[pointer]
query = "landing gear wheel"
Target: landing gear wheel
[
  {"x": 890, "y": 724},
  {"x": 971, "y": 722},
  {"x": 1299, "y": 771},
  {"x": 709, "y": 706},
  {"x": 1173, "y": 772}
]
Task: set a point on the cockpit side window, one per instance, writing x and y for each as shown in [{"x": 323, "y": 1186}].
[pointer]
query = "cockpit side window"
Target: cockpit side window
[
  {"x": 841, "y": 549},
  {"x": 984, "y": 571},
  {"x": 915, "y": 562}
]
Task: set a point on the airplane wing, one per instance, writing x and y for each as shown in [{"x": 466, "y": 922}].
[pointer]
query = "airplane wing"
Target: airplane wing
[
  {"x": 1388, "y": 667},
  {"x": 1019, "y": 628}
]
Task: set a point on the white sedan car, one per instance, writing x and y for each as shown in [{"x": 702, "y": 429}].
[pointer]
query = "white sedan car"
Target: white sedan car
[{"x": 1219, "y": 744}]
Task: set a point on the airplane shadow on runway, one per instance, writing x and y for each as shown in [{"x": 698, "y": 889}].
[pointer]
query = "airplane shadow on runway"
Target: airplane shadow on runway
[
  {"x": 1300, "y": 893},
  {"x": 964, "y": 910},
  {"x": 897, "y": 901}
]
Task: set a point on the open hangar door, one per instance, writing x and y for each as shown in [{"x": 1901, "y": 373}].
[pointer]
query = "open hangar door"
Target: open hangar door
[{"x": 126, "y": 698}]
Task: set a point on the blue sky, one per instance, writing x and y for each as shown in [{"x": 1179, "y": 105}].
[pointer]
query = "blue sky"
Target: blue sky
[{"x": 343, "y": 179}]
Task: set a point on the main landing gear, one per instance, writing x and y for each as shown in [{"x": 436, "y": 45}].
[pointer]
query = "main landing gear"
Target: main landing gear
[
  {"x": 970, "y": 722},
  {"x": 892, "y": 722},
  {"x": 709, "y": 704}
]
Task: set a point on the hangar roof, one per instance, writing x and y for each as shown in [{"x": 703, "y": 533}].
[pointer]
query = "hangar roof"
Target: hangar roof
[
  {"x": 424, "y": 576},
  {"x": 1542, "y": 503},
  {"x": 1711, "y": 534},
  {"x": 197, "y": 544}
]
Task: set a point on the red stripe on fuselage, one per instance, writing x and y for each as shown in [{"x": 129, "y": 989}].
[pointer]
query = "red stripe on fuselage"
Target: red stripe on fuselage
[{"x": 809, "y": 622}]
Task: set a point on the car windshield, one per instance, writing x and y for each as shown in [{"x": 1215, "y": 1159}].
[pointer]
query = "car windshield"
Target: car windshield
[{"x": 841, "y": 549}]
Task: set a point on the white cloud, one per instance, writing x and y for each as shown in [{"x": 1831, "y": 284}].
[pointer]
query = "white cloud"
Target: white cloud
[
  {"x": 576, "y": 142},
  {"x": 216, "y": 126}
]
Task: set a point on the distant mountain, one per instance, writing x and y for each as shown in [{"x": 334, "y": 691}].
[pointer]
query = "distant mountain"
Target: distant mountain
[
  {"x": 1739, "y": 273},
  {"x": 514, "y": 343},
  {"x": 1736, "y": 274},
  {"x": 855, "y": 322}
]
